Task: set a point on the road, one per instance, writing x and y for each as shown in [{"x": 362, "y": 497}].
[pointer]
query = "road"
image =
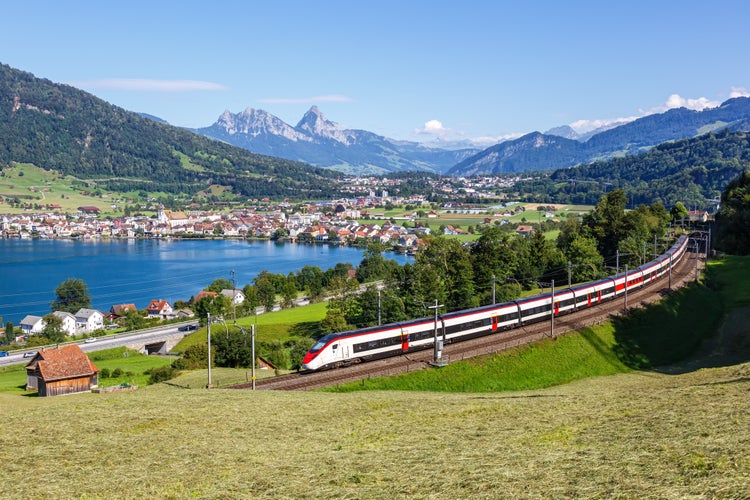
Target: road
[{"x": 148, "y": 336}]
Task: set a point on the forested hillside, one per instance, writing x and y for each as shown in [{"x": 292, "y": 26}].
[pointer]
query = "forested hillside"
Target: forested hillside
[
  {"x": 60, "y": 127},
  {"x": 693, "y": 171}
]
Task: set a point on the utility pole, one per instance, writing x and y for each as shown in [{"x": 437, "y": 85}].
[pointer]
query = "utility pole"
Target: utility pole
[
  {"x": 493, "y": 289},
  {"x": 378, "y": 307},
  {"x": 570, "y": 266},
  {"x": 552, "y": 316},
  {"x": 234, "y": 306},
  {"x": 438, "y": 353},
  {"x": 626, "y": 287},
  {"x": 697, "y": 258},
  {"x": 208, "y": 323},
  {"x": 252, "y": 343},
  {"x": 670, "y": 271},
  {"x": 617, "y": 261}
]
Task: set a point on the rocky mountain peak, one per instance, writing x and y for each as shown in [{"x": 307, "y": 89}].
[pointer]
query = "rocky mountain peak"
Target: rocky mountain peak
[{"x": 315, "y": 123}]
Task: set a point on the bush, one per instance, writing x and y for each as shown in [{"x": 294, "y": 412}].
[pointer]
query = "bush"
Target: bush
[
  {"x": 160, "y": 374},
  {"x": 117, "y": 372},
  {"x": 104, "y": 373}
]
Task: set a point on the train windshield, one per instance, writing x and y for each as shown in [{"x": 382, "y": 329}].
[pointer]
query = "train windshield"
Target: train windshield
[{"x": 318, "y": 345}]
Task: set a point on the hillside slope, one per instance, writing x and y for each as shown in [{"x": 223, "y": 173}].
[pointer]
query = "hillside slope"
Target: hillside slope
[{"x": 61, "y": 127}]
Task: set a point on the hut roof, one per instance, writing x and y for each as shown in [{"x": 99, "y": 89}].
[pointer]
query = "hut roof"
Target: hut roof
[{"x": 62, "y": 362}]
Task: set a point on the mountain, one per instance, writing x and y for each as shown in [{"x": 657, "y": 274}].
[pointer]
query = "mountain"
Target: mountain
[
  {"x": 66, "y": 129},
  {"x": 565, "y": 149},
  {"x": 694, "y": 171},
  {"x": 321, "y": 142}
]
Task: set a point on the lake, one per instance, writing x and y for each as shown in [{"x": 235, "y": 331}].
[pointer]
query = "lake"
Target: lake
[{"x": 138, "y": 271}]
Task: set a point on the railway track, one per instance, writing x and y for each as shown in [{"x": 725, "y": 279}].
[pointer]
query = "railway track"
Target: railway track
[{"x": 487, "y": 344}]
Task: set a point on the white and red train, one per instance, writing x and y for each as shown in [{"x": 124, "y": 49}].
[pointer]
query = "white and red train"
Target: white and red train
[{"x": 338, "y": 349}]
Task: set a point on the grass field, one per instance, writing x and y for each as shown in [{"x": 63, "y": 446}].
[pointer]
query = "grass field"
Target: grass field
[{"x": 627, "y": 436}]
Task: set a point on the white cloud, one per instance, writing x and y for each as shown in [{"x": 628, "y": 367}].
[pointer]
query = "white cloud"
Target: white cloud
[
  {"x": 149, "y": 85},
  {"x": 673, "y": 101},
  {"x": 677, "y": 101},
  {"x": 584, "y": 126},
  {"x": 433, "y": 127},
  {"x": 306, "y": 100},
  {"x": 486, "y": 141}
]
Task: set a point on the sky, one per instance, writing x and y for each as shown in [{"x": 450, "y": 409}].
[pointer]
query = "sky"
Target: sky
[{"x": 409, "y": 70}]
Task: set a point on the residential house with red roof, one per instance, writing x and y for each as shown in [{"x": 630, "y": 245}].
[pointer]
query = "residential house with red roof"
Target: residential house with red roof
[{"x": 159, "y": 308}]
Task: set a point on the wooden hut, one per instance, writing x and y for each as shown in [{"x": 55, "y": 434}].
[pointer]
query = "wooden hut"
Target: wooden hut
[{"x": 61, "y": 370}]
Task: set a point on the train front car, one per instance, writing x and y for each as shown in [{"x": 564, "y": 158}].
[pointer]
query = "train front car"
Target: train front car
[{"x": 319, "y": 354}]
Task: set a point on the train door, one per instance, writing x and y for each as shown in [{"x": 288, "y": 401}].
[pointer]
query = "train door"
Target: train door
[
  {"x": 335, "y": 351},
  {"x": 556, "y": 307},
  {"x": 404, "y": 340},
  {"x": 495, "y": 320}
]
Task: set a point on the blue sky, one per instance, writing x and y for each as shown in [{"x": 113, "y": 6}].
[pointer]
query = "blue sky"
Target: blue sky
[{"x": 411, "y": 70}]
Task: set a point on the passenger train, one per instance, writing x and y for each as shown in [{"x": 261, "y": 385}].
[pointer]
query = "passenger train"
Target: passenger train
[{"x": 339, "y": 349}]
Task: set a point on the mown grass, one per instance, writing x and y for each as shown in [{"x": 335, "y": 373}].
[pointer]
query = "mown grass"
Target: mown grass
[{"x": 627, "y": 436}]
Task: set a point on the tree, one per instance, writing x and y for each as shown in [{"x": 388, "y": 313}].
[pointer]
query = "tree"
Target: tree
[
  {"x": 134, "y": 320},
  {"x": 266, "y": 292},
  {"x": 585, "y": 259},
  {"x": 217, "y": 305},
  {"x": 219, "y": 284},
  {"x": 606, "y": 223},
  {"x": 10, "y": 335},
  {"x": 72, "y": 295},
  {"x": 53, "y": 329},
  {"x": 289, "y": 294},
  {"x": 444, "y": 273},
  {"x": 679, "y": 212},
  {"x": 492, "y": 255},
  {"x": 310, "y": 278},
  {"x": 733, "y": 219}
]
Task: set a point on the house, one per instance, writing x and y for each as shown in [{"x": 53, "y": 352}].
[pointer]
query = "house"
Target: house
[
  {"x": 61, "y": 370},
  {"x": 236, "y": 296},
  {"x": 119, "y": 310},
  {"x": 68, "y": 322},
  {"x": 88, "y": 320},
  {"x": 159, "y": 308},
  {"x": 205, "y": 294},
  {"x": 89, "y": 210},
  {"x": 524, "y": 230},
  {"x": 32, "y": 324},
  {"x": 697, "y": 215}
]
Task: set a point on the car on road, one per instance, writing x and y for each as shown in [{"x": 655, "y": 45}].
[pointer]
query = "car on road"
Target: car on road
[
  {"x": 29, "y": 354},
  {"x": 188, "y": 328},
  {"x": 3, "y": 354},
  {"x": 90, "y": 339}
]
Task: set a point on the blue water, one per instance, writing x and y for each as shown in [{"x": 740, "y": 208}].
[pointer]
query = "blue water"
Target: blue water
[{"x": 137, "y": 271}]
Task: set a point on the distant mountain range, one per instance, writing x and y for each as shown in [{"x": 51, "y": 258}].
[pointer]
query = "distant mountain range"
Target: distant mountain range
[
  {"x": 318, "y": 141},
  {"x": 536, "y": 151},
  {"x": 321, "y": 142}
]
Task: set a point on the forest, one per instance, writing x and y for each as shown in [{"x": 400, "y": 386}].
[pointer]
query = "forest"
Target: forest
[{"x": 693, "y": 171}]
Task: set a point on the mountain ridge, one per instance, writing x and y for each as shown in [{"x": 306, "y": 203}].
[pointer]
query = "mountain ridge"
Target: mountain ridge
[
  {"x": 536, "y": 151},
  {"x": 321, "y": 142}
]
